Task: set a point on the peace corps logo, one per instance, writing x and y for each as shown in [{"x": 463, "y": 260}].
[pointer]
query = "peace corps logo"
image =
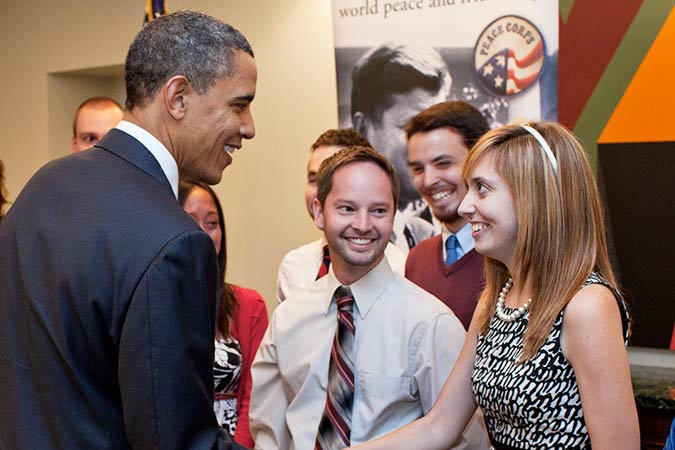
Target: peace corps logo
[{"x": 509, "y": 55}]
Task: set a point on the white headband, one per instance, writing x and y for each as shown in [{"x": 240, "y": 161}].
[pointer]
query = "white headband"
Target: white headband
[{"x": 544, "y": 146}]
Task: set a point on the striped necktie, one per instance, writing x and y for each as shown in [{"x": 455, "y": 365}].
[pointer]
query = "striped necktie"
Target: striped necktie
[
  {"x": 335, "y": 426},
  {"x": 325, "y": 263}
]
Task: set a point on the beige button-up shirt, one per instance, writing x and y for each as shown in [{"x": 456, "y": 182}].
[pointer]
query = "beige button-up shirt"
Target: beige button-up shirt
[{"x": 406, "y": 343}]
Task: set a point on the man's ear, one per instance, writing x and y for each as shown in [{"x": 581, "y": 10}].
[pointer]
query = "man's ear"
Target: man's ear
[
  {"x": 73, "y": 144},
  {"x": 317, "y": 210},
  {"x": 175, "y": 94},
  {"x": 359, "y": 122}
]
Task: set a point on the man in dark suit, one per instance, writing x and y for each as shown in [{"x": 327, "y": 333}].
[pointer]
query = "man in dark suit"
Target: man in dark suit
[{"x": 107, "y": 288}]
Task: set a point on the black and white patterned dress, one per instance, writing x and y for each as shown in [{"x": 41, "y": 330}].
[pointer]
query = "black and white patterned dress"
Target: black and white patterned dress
[
  {"x": 226, "y": 374},
  {"x": 536, "y": 404}
]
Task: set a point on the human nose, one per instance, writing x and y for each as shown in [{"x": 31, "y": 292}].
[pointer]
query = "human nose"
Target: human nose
[
  {"x": 247, "y": 126},
  {"x": 429, "y": 177},
  {"x": 362, "y": 221},
  {"x": 467, "y": 206}
]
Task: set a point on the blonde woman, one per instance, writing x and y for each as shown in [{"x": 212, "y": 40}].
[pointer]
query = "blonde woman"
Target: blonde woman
[{"x": 545, "y": 354}]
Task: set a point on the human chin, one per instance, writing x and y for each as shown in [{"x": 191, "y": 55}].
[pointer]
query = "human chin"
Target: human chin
[
  {"x": 358, "y": 259},
  {"x": 228, "y": 159},
  {"x": 483, "y": 247},
  {"x": 448, "y": 214},
  {"x": 445, "y": 208},
  {"x": 211, "y": 175},
  {"x": 485, "y": 244},
  {"x": 361, "y": 251}
]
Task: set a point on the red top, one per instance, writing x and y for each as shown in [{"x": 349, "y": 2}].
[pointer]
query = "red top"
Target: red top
[{"x": 248, "y": 327}]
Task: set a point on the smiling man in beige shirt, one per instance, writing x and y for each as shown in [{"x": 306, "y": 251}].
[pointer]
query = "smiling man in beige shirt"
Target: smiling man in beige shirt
[{"x": 404, "y": 341}]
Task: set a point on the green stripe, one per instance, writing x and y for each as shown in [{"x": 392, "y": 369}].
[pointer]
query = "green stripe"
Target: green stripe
[
  {"x": 565, "y": 8},
  {"x": 619, "y": 72}
]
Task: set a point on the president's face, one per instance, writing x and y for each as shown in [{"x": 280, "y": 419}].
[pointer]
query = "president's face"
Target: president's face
[
  {"x": 387, "y": 134},
  {"x": 217, "y": 122}
]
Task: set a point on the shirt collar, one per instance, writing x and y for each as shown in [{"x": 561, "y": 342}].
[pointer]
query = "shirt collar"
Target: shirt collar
[
  {"x": 463, "y": 236},
  {"x": 366, "y": 290},
  {"x": 157, "y": 149}
]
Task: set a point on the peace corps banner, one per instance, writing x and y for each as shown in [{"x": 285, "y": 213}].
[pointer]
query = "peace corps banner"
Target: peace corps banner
[
  {"x": 395, "y": 58},
  {"x": 500, "y": 55}
]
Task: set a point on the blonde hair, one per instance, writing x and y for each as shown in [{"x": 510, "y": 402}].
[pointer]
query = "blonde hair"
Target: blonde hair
[{"x": 561, "y": 230}]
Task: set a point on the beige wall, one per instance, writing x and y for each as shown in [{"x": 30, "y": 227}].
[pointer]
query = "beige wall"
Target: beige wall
[{"x": 262, "y": 192}]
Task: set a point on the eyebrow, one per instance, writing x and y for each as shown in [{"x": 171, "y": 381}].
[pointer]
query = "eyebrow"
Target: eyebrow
[
  {"x": 434, "y": 160},
  {"x": 248, "y": 98},
  {"x": 355, "y": 202},
  {"x": 442, "y": 157}
]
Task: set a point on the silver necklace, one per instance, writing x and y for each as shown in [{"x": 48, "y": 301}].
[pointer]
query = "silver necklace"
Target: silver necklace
[{"x": 518, "y": 312}]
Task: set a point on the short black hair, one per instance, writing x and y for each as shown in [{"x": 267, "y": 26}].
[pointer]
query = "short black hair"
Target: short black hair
[
  {"x": 188, "y": 43},
  {"x": 460, "y": 116},
  {"x": 394, "y": 68}
]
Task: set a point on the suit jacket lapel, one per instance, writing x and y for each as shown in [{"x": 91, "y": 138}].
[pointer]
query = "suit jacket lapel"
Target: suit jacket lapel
[{"x": 126, "y": 147}]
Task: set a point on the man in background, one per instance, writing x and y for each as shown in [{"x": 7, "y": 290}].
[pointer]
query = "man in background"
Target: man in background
[
  {"x": 445, "y": 265},
  {"x": 93, "y": 119},
  {"x": 307, "y": 263},
  {"x": 362, "y": 351},
  {"x": 391, "y": 83},
  {"x": 107, "y": 287}
]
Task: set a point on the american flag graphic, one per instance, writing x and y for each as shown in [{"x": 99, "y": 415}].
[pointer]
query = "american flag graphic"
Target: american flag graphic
[{"x": 506, "y": 74}]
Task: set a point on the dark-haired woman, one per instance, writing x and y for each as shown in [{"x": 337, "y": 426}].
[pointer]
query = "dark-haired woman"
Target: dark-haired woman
[{"x": 241, "y": 319}]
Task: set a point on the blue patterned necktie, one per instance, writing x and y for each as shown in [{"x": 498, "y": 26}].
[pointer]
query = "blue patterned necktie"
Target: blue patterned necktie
[
  {"x": 335, "y": 426},
  {"x": 452, "y": 250}
]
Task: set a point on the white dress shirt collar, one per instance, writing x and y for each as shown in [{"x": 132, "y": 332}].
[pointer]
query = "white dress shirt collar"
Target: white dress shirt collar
[
  {"x": 366, "y": 290},
  {"x": 157, "y": 149}
]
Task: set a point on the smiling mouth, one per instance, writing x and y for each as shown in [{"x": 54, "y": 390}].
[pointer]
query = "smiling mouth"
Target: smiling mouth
[
  {"x": 476, "y": 227},
  {"x": 230, "y": 149},
  {"x": 360, "y": 241},
  {"x": 438, "y": 196}
]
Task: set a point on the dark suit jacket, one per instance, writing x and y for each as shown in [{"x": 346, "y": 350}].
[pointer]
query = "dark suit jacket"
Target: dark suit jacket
[{"x": 107, "y": 309}]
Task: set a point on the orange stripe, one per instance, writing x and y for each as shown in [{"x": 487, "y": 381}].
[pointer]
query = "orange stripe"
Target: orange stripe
[{"x": 645, "y": 112}]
